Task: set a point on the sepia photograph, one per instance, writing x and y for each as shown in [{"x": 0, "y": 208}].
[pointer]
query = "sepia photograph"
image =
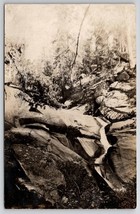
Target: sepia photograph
[{"x": 70, "y": 106}]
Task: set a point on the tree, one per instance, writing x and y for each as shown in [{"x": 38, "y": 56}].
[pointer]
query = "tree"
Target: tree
[{"x": 21, "y": 74}]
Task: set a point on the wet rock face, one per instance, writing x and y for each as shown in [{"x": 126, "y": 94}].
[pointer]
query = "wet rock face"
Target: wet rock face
[
  {"x": 52, "y": 175},
  {"x": 57, "y": 171}
]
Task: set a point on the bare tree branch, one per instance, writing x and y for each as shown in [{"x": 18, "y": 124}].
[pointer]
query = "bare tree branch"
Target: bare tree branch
[{"x": 78, "y": 37}]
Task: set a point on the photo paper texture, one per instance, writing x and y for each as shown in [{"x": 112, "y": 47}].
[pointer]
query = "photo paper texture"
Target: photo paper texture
[{"x": 70, "y": 106}]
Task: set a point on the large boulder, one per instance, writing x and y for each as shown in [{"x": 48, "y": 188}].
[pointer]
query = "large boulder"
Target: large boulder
[{"x": 51, "y": 174}]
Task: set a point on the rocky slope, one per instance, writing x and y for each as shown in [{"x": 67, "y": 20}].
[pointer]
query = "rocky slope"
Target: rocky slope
[{"x": 65, "y": 159}]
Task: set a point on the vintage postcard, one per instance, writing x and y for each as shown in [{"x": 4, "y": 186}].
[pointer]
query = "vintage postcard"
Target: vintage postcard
[{"x": 70, "y": 106}]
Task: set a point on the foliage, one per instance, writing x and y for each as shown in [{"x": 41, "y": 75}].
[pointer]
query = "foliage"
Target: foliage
[
  {"x": 51, "y": 82},
  {"x": 22, "y": 74}
]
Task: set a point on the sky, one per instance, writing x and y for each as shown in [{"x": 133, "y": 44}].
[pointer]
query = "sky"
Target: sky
[{"x": 38, "y": 26}]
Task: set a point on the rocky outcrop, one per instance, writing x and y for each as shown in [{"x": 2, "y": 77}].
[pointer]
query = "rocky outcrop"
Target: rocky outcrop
[
  {"x": 112, "y": 95},
  {"x": 115, "y": 106},
  {"x": 65, "y": 159},
  {"x": 57, "y": 172},
  {"x": 38, "y": 166},
  {"x": 121, "y": 86},
  {"x": 119, "y": 101}
]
